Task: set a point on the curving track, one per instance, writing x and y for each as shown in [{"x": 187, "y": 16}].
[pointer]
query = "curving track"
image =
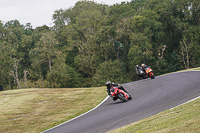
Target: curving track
[{"x": 150, "y": 96}]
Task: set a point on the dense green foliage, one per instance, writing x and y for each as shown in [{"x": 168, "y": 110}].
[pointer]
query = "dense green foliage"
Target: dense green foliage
[{"x": 91, "y": 43}]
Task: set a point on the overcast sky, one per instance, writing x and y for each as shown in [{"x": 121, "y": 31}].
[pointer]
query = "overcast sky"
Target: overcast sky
[{"x": 38, "y": 12}]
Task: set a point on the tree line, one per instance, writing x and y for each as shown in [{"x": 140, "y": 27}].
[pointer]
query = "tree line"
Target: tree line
[{"x": 91, "y": 43}]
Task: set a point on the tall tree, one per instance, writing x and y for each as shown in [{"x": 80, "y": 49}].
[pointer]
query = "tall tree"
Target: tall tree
[
  {"x": 188, "y": 44},
  {"x": 44, "y": 53},
  {"x": 13, "y": 37}
]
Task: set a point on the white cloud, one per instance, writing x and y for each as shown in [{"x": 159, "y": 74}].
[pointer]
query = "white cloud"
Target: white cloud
[{"x": 38, "y": 12}]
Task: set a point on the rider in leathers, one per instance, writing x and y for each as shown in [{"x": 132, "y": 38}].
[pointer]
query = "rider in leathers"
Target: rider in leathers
[
  {"x": 137, "y": 69},
  {"x": 144, "y": 67},
  {"x": 110, "y": 85}
]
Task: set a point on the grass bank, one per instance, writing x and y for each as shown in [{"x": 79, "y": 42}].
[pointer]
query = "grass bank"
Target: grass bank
[{"x": 35, "y": 110}]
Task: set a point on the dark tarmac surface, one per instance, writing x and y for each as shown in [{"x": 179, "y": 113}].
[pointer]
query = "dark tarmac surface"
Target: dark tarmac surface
[{"x": 150, "y": 96}]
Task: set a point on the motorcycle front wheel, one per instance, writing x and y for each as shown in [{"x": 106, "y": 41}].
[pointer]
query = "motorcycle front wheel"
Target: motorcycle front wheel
[
  {"x": 122, "y": 97},
  {"x": 152, "y": 76}
]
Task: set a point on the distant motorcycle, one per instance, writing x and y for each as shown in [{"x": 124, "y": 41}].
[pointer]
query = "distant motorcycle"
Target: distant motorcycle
[
  {"x": 120, "y": 94},
  {"x": 149, "y": 72},
  {"x": 142, "y": 73}
]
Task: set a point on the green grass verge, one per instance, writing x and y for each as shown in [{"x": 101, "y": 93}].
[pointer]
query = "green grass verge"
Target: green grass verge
[
  {"x": 198, "y": 68},
  {"x": 35, "y": 110}
]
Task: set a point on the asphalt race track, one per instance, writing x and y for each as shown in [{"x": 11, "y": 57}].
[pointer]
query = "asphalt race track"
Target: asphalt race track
[{"x": 150, "y": 96}]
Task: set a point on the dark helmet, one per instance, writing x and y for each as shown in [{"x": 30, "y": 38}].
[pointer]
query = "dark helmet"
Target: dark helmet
[
  {"x": 137, "y": 66},
  {"x": 108, "y": 83}
]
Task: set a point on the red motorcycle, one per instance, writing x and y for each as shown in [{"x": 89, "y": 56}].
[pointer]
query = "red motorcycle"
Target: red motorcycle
[
  {"x": 120, "y": 94},
  {"x": 149, "y": 72}
]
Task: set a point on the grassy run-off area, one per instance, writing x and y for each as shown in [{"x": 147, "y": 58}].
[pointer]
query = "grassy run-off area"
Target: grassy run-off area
[{"x": 35, "y": 110}]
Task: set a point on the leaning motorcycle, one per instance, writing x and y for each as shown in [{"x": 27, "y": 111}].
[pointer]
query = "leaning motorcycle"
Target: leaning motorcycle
[
  {"x": 149, "y": 72},
  {"x": 142, "y": 73},
  {"x": 120, "y": 94}
]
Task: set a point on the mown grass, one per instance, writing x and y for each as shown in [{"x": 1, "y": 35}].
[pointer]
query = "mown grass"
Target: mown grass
[
  {"x": 198, "y": 68},
  {"x": 182, "y": 119},
  {"x": 35, "y": 110},
  {"x": 190, "y": 69}
]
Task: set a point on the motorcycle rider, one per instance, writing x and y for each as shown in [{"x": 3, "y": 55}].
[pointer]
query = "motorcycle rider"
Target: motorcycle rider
[
  {"x": 138, "y": 71},
  {"x": 144, "y": 67},
  {"x": 137, "y": 68},
  {"x": 110, "y": 85}
]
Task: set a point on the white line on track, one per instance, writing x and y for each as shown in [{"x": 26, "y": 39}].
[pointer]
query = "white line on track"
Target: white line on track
[
  {"x": 185, "y": 102},
  {"x": 78, "y": 116},
  {"x": 189, "y": 100}
]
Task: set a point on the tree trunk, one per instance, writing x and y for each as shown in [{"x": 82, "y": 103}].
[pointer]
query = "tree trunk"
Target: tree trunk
[
  {"x": 25, "y": 78},
  {"x": 49, "y": 64},
  {"x": 185, "y": 51},
  {"x": 14, "y": 73}
]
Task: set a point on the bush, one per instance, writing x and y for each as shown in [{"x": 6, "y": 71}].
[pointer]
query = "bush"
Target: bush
[
  {"x": 64, "y": 76},
  {"x": 115, "y": 71}
]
